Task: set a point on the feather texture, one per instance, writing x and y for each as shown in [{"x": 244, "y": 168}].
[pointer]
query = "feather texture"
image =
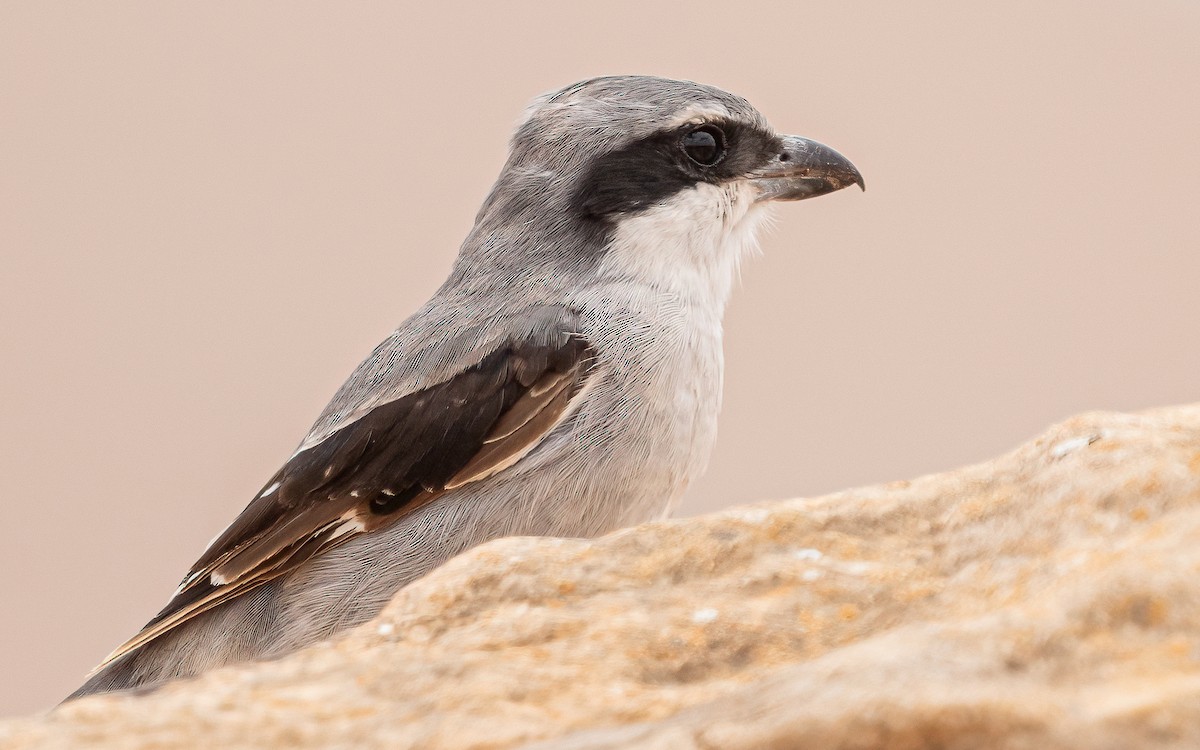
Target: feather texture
[{"x": 393, "y": 460}]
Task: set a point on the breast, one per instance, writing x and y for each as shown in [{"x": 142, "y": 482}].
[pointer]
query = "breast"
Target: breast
[{"x": 652, "y": 419}]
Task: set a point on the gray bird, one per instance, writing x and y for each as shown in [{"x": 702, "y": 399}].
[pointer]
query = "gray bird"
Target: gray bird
[{"x": 564, "y": 380}]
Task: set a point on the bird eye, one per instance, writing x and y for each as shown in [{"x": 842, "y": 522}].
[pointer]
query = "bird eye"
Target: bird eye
[{"x": 705, "y": 145}]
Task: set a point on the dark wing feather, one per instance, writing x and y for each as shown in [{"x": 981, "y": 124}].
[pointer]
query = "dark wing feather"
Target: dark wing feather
[{"x": 390, "y": 461}]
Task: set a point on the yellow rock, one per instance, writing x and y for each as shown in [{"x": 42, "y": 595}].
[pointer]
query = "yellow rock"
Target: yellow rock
[{"x": 1049, "y": 598}]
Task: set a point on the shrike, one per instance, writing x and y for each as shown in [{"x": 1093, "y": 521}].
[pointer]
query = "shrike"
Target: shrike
[{"x": 564, "y": 380}]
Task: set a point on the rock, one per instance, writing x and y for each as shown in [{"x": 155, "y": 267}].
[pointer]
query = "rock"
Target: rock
[{"x": 1049, "y": 598}]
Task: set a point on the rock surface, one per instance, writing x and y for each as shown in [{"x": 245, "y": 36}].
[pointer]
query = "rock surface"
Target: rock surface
[{"x": 1049, "y": 598}]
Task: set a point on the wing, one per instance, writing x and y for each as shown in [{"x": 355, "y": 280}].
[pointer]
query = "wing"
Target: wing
[{"x": 392, "y": 460}]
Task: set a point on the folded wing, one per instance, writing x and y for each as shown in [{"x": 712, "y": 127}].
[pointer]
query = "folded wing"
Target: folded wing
[{"x": 392, "y": 460}]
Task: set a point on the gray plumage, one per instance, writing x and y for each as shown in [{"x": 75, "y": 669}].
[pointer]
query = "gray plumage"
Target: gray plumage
[{"x": 565, "y": 380}]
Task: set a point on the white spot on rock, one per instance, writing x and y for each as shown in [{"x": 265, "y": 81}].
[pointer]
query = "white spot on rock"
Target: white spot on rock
[
  {"x": 806, "y": 553},
  {"x": 855, "y": 568},
  {"x": 386, "y": 628},
  {"x": 1073, "y": 444},
  {"x": 704, "y": 616},
  {"x": 753, "y": 515},
  {"x": 811, "y": 574}
]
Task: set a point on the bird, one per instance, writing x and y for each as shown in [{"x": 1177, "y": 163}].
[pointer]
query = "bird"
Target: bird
[{"x": 563, "y": 381}]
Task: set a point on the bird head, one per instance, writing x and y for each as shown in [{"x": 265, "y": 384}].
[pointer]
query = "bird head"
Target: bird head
[{"x": 647, "y": 178}]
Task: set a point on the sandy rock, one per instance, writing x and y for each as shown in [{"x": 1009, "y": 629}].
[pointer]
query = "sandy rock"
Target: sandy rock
[{"x": 1049, "y": 598}]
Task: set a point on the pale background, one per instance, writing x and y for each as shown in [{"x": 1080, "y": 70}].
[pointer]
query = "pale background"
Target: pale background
[{"x": 209, "y": 213}]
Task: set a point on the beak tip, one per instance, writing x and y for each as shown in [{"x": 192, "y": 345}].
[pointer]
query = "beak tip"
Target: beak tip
[{"x": 855, "y": 176}]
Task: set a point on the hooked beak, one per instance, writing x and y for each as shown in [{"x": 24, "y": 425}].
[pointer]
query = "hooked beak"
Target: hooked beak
[{"x": 804, "y": 169}]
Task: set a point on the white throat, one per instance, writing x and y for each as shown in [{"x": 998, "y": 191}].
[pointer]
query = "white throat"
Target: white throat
[{"x": 689, "y": 246}]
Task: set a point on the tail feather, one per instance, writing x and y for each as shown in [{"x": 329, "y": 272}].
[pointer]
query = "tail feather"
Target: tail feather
[
  {"x": 234, "y": 631},
  {"x": 124, "y": 673}
]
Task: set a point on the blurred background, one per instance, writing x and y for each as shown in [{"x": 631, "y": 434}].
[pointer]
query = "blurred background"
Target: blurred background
[{"x": 210, "y": 213}]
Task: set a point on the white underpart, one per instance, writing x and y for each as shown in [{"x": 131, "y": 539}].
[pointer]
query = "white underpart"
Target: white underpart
[{"x": 691, "y": 244}]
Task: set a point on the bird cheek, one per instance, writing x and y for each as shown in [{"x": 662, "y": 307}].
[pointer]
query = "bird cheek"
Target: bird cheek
[{"x": 741, "y": 199}]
